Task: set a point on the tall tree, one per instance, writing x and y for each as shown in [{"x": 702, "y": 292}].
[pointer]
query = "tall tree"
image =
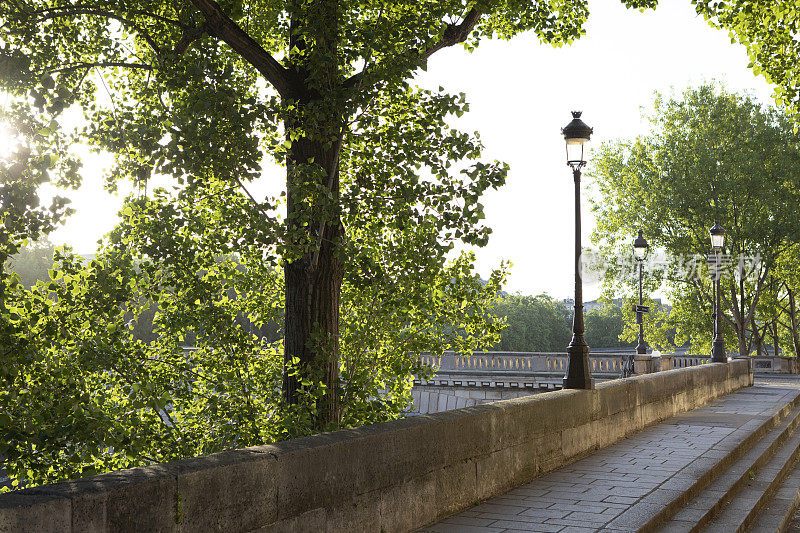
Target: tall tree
[
  {"x": 200, "y": 91},
  {"x": 712, "y": 155},
  {"x": 779, "y": 312}
]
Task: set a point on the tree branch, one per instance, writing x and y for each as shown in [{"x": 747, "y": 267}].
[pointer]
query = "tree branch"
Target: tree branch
[
  {"x": 221, "y": 26},
  {"x": 757, "y": 295},
  {"x": 189, "y": 36},
  {"x": 123, "y": 64},
  {"x": 453, "y": 34}
]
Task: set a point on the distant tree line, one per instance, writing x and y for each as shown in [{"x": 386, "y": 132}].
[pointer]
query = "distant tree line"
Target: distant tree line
[{"x": 543, "y": 324}]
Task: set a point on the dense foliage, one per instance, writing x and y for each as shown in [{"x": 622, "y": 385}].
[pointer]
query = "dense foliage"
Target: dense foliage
[
  {"x": 769, "y": 31},
  {"x": 711, "y": 155},
  {"x": 534, "y": 324},
  {"x": 605, "y": 327},
  {"x": 353, "y": 260}
]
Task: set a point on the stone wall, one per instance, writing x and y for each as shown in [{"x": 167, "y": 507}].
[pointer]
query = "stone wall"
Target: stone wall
[{"x": 395, "y": 476}]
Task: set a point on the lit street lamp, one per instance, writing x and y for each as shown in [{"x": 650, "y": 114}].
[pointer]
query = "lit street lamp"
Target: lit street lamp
[
  {"x": 579, "y": 376},
  {"x": 640, "y": 248},
  {"x": 718, "y": 354}
]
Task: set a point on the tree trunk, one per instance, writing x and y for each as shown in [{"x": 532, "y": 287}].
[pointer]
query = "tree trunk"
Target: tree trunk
[
  {"x": 794, "y": 322},
  {"x": 742, "y": 342},
  {"x": 759, "y": 341},
  {"x": 3, "y": 259},
  {"x": 313, "y": 280},
  {"x": 313, "y": 273},
  {"x": 775, "y": 339}
]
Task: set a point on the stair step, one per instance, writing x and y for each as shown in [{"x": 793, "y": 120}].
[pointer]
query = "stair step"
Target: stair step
[
  {"x": 745, "y": 505},
  {"x": 721, "y": 492},
  {"x": 776, "y": 514},
  {"x": 700, "y": 502}
]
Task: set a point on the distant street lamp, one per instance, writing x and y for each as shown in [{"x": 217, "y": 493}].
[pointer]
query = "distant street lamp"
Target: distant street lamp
[
  {"x": 579, "y": 376},
  {"x": 640, "y": 248},
  {"x": 718, "y": 354}
]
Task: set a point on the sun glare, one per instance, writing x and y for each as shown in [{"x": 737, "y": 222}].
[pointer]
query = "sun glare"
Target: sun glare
[{"x": 8, "y": 142}]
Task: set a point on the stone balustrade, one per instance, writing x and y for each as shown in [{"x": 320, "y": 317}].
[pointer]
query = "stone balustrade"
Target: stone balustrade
[
  {"x": 519, "y": 362},
  {"x": 609, "y": 363}
]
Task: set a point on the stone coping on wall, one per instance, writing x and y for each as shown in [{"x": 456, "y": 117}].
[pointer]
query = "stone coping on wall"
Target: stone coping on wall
[{"x": 394, "y": 476}]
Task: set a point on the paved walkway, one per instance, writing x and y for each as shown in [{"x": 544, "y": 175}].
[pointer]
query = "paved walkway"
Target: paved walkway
[{"x": 607, "y": 490}]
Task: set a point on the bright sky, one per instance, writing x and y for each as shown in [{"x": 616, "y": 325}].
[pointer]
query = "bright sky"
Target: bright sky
[{"x": 521, "y": 94}]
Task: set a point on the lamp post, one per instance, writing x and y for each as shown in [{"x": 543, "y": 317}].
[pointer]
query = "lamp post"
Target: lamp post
[
  {"x": 718, "y": 354},
  {"x": 640, "y": 248},
  {"x": 579, "y": 376}
]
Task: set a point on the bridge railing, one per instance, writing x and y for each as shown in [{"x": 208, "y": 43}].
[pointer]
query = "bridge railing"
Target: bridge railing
[
  {"x": 600, "y": 363},
  {"x": 670, "y": 361},
  {"x": 520, "y": 362}
]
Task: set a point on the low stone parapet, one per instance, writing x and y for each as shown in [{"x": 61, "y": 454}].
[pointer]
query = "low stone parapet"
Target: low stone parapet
[
  {"x": 394, "y": 476},
  {"x": 775, "y": 364}
]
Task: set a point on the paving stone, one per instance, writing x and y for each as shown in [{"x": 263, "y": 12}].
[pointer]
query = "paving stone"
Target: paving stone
[
  {"x": 575, "y": 523},
  {"x": 590, "y": 518},
  {"x": 587, "y": 507},
  {"x": 459, "y": 528},
  {"x": 630, "y": 491},
  {"x": 527, "y": 492},
  {"x": 596, "y": 495},
  {"x": 637, "y": 515},
  {"x": 537, "y": 503},
  {"x": 468, "y": 521},
  {"x": 575, "y": 529},
  {"x": 545, "y": 513},
  {"x": 533, "y": 519},
  {"x": 628, "y": 500},
  {"x": 527, "y": 526}
]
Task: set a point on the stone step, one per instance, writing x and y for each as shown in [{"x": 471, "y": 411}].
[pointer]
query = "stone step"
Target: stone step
[
  {"x": 741, "y": 507},
  {"x": 777, "y": 512},
  {"x": 696, "y": 503}
]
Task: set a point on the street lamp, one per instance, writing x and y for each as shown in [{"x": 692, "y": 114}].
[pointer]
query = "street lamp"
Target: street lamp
[
  {"x": 640, "y": 248},
  {"x": 718, "y": 355},
  {"x": 579, "y": 376}
]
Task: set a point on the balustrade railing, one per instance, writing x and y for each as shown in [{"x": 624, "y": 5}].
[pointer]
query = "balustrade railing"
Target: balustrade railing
[
  {"x": 599, "y": 363},
  {"x": 519, "y": 362},
  {"x": 684, "y": 361}
]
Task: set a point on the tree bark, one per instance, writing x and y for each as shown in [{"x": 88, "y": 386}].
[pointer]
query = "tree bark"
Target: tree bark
[
  {"x": 313, "y": 284},
  {"x": 774, "y": 333},
  {"x": 313, "y": 273},
  {"x": 793, "y": 319}
]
